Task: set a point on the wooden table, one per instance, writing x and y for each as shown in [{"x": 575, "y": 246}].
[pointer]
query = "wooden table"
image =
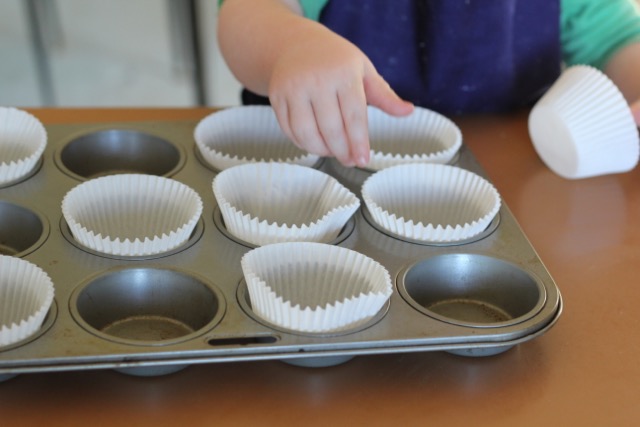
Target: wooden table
[{"x": 584, "y": 372}]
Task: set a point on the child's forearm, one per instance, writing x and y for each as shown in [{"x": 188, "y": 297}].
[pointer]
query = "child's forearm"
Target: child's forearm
[
  {"x": 624, "y": 70},
  {"x": 252, "y": 33}
]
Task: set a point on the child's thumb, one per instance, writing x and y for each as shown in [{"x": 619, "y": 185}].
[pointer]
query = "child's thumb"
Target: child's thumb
[{"x": 379, "y": 94}]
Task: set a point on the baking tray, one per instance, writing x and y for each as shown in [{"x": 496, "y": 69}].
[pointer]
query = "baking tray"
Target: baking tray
[{"x": 191, "y": 305}]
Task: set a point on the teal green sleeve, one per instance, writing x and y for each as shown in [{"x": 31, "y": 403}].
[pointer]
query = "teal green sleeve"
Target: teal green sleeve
[
  {"x": 593, "y": 30},
  {"x": 312, "y": 8}
]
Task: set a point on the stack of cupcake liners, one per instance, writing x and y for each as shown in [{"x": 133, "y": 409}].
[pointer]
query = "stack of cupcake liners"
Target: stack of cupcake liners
[
  {"x": 131, "y": 214},
  {"x": 583, "y": 127},
  {"x": 26, "y": 294},
  {"x": 264, "y": 203},
  {"x": 314, "y": 287},
  {"x": 430, "y": 202},
  {"x": 23, "y": 139},
  {"x": 246, "y": 134},
  {"x": 422, "y": 137}
]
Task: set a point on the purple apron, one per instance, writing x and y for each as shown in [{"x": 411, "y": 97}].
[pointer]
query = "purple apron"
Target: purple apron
[{"x": 455, "y": 56}]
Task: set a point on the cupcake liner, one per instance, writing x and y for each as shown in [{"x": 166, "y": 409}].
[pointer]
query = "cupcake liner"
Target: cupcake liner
[
  {"x": 314, "y": 287},
  {"x": 26, "y": 294},
  {"x": 131, "y": 214},
  {"x": 422, "y": 137},
  {"x": 430, "y": 202},
  {"x": 264, "y": 203},
  {"x": 246, "y": 134},
  {"x": 583, "y": 126},
  {"x": 22, "y": 141}
]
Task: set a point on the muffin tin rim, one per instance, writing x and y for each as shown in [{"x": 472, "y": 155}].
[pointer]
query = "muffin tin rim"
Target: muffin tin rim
[{"x": 552, "y": 311}]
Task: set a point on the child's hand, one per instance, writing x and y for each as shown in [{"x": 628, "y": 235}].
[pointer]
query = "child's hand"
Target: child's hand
[
  {"x": 319, "y": 89},
  {"x": 635, "y": 109},
  {"x": 318, "y": 83}
]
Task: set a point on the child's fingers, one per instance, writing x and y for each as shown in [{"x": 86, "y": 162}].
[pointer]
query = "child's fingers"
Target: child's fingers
[
  {"x": 379, "y": 94},
  {"x": 332, "y": 128},
  {"x": 298, "y": 121},
  {"x": 281, "y": 110},
  {"x": 353, "y": 106}
]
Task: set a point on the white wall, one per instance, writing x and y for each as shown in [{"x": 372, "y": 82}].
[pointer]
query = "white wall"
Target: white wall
[
  {"x": 222, "y": 87},
  {"x": 111, "y": 53}
]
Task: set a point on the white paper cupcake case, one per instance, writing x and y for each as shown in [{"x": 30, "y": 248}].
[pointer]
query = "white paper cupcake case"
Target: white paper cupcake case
[
  {"x": 583, "y": 126},
  {"x": 314, "y": 287},
  {"x": 422, "y": 137},
  {"x": 131, "y": 214},
  {"x": 430, "y": 202},
  {"x": 26, "y": 294},
  {"x": 23, "y": 139},
  {"x": 246, "y": 134},
  {"x": 264, "y": 203}
]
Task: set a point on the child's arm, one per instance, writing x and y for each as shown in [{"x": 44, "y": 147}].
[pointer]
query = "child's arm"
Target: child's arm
[
  {"x": 624, "y": 70},
  {"x": 606, "y": 35},
  {"x": 318, "y": 83}
]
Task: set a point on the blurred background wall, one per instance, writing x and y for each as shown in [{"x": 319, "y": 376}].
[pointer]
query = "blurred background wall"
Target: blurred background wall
[{"x": 112, "y": 53}]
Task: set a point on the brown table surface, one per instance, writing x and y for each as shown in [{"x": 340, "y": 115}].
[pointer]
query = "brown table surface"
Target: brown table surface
[{"x": 584, "y": 371}]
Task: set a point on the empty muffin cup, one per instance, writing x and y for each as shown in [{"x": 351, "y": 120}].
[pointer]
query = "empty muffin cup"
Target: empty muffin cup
[
  {"x": 246, "y": 134},
  {"x": 26, "y": 294},
  {"x": 314, "y": 287},
  {"x": 147, "y": 306},
  {"x": 23, "y": 139},
  {"x": 21, "y": 229},
  {"x": 430, "y": 202},
  {"x": 264, "y": 203},
  {"x": 117, "y": 151},
  {"x": 131, "y": 214},
  {"x": 424, "y": 136},
  {"x": 472, "y": 290}
]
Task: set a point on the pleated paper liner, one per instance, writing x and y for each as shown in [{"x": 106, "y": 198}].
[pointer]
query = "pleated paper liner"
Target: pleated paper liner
[
  {"x": 246, "y": 134},
  {"x": 264, "y": 203},
  {"x": 422, "y": 137},
  {"x": 22, "y": 141},
  {"x": 131, "y": 214},
  {"x": 26, "y": 294},
  {"x": 430, "y": 202},
  {"x": 314, "y": 287},
  {"x": 583, "y": 126}
]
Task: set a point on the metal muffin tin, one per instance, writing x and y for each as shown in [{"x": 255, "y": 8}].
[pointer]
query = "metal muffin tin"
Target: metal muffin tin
[{"x": 154, "y": 315}]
